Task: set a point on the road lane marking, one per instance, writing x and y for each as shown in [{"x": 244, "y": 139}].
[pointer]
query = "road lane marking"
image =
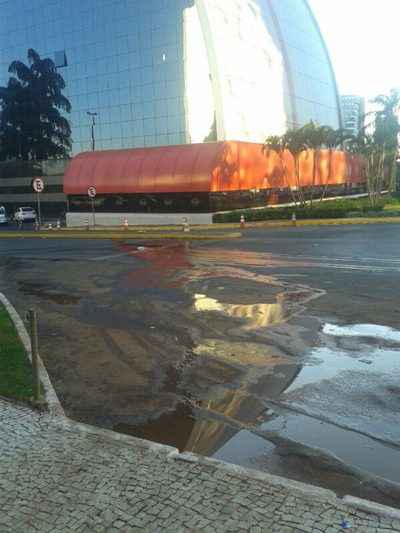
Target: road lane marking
[{"x": 112, "y": 256}]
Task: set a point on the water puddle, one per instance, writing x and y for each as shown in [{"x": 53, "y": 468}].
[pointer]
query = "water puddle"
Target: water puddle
[
  {"x": 245, "y": 449},
  {"x": 350, "y": 447},
  {"x": 172, "y": 429},
  {"x": 328, "y": 364},
  {"x": 256, "y": 316},
  {"x": 363, "y": 330}
]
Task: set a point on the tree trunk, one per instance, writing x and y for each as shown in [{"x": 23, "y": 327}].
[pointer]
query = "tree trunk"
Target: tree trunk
[
  {"x": 329, "y": 175},
  {"x": 285, "y": 180}
]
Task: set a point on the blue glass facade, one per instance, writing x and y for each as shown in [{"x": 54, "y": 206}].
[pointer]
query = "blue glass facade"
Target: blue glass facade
[{"x": 163, "y": 72}]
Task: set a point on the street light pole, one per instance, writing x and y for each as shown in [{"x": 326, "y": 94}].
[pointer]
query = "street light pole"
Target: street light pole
[{"x": 93, "y": 115}]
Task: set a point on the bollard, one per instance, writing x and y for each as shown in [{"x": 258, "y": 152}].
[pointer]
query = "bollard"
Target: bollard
[
  {"x": 186, "y": 226},
  {"x": 126, "y": 224},
  {"x": 58, "y": 224},
  {"x": 294, "y": 219},
  {"x": 87, "y": 223},
  {"x": 50, "y": 225},
  {"x": 242, "y": 221},
  {"x": 32, "y": 317},
  {"x": 37, "y": 225}
]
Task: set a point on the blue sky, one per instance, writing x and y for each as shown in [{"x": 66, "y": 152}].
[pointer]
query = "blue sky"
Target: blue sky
[{"x": 363, "y": 41}]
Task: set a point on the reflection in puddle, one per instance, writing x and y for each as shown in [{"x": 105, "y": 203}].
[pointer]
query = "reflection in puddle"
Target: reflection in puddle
[
  {"x": 257, "y": 315},
  {"x": 208, "y": 426},
  {"x": 173, "y": 428},
  {"x": 328, "y": 364},
  {"x": 352, "y": 448},
  {"x": 244, "y": 448},
  {"x": 363, "y": 330}
]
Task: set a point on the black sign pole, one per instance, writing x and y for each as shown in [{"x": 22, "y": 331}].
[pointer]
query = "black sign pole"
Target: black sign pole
[
  {"x": 38, "y": 203},
  {"x": 93, "y": 213}
]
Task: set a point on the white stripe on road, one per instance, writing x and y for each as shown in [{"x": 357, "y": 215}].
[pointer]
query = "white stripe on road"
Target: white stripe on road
[
  {"x": 107, "y": 257},
  {"x": 291, "y": 262},
  {"x": 323, "y": 257}
]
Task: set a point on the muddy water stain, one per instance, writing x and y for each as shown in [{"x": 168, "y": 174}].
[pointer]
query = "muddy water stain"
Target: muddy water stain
[
  {"x": 171, "y": 428},
  {"x": 45, "y": 292}
]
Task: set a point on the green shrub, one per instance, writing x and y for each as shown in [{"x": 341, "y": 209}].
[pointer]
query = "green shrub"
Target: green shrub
[{"x": 341, "y": 208}]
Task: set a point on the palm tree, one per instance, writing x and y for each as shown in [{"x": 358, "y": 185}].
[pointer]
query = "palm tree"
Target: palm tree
[
  {"x": 314, "y": 138},
  {"x": 276, "y": 143},
  {"x": 366, "y": 145},
  {"x": 333, "y": 139},
  {"x": 294, "y": 142},
  {"x": 32, "y": 124},
  {"x": 387, "y": 129}
]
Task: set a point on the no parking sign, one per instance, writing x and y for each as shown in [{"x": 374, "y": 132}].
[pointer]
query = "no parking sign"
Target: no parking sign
[
  {"x": 37, "y": 184},
  {"x": 92, "y": 195}
]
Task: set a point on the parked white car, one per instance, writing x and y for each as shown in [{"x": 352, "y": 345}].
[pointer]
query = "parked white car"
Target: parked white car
[
  {"x": 25, "y": 214},
  {"x": 3, "y": 215}
]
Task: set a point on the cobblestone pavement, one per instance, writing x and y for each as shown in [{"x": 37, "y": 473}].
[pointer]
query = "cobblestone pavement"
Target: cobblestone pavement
[{"x": 55, "y": 478}]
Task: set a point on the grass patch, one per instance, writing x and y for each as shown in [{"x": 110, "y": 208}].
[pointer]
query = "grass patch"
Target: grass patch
[
  {"x": 340, "y": 208},
  {"x": 16, "y": 376}
]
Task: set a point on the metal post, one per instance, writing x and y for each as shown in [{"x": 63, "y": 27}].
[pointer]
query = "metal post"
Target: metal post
[
  {"x": 93, "y": 117},
  {"x": 93, "y": 141},
  {"x": 39, "y": 213},
  {"x": 93, "y": 214},
  {"x": 35, "y": 353}
]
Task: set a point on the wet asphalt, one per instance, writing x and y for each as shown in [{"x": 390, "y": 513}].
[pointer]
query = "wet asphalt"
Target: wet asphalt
[{"x": 222, "y": 348}]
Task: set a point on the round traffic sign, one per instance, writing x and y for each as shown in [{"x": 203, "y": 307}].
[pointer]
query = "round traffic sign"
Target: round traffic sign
[
  {"x": 38, "y": 184},
  {"x": 91, "y": 192}
]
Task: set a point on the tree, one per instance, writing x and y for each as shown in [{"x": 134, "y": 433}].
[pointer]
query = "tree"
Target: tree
[
  {"x": 294, "y": 142},
  {"x": 32, "y": 125},
  {"x": 375, "y": 165},
  {"x": 212, "y": 135},
  {"x": 333, "y": 139},
  {"x": 275, "y": 143},
  {"x": 378, "y": 142},
  {"x": 386, "y": 131},
  {"x": 314, "y": 137}
]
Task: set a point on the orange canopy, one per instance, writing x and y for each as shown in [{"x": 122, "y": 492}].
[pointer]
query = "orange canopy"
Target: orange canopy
[{"x": 208, "y": 167}]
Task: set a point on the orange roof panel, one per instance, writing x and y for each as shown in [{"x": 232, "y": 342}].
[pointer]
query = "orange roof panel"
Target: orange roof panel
[{"x": 208, "y": 167}]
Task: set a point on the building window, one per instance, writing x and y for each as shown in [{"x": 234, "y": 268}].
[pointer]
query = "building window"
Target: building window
[{"x": 60, "y": 59}]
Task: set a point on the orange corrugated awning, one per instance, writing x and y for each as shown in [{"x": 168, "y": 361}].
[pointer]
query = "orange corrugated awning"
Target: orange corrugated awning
[
  {"x": 186, "y": 168},
  {"x": 209, "y": 167}
]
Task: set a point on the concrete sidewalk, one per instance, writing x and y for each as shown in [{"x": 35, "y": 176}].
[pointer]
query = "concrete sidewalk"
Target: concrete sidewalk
[{"x": 57, "y": 476}]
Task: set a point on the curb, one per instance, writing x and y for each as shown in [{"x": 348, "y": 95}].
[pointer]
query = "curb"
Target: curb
[
  {"x": 372, "y": 507},
  {"x": 120, "y": 236},
  {"x": 51, "y": 397},
  {"x": 271, "y": 224},
  {"x": 85, "y": 429},
  {"x": 311, "y": 491}
]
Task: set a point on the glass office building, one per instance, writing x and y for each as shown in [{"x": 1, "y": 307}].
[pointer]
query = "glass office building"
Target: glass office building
[{"x": 166, "y": 72}]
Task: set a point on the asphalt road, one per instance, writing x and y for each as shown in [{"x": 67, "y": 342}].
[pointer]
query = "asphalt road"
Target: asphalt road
[{"x": 280, "y": 350}]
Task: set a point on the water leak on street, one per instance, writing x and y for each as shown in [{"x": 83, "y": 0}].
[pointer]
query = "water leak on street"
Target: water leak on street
[{"x": 202, "y": 348}]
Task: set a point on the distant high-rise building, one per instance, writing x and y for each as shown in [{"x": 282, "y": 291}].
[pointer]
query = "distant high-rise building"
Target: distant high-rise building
[{"x": 353, "y": 112}]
